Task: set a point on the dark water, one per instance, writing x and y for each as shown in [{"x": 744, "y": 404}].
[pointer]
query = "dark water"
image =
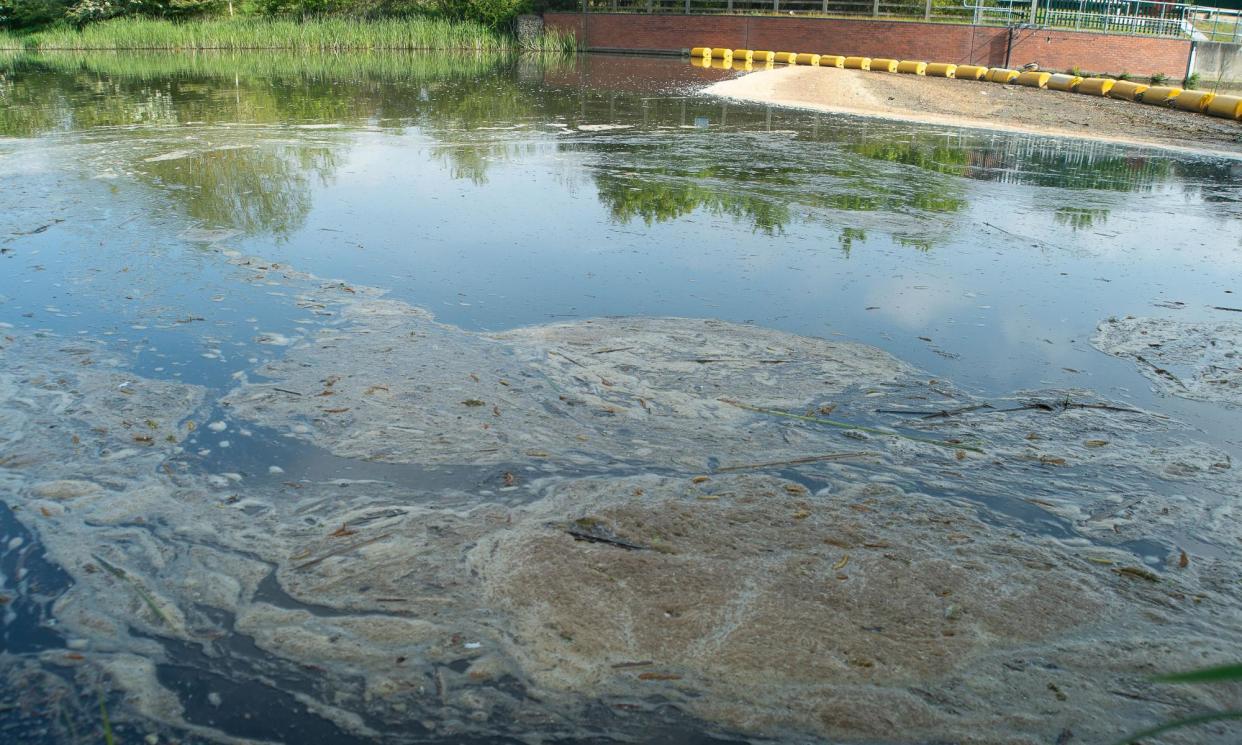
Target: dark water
[{"x": 503, "y": 192}]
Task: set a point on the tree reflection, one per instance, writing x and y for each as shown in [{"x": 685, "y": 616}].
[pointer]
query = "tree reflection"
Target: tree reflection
[
  {"x": 258, "y": 189},
  {"x": 763, "y": 167}
]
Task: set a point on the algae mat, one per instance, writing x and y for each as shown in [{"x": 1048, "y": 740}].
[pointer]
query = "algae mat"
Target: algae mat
[{"x": 610, "y": 528}]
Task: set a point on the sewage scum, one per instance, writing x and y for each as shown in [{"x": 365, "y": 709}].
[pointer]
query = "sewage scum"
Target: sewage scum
[
  {"x": 611, "y": 528},
  {"x": 1188, "y": 359}
]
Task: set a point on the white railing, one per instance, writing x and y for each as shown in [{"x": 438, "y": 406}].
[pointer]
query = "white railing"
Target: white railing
[{"x": 1132, "y": 17}]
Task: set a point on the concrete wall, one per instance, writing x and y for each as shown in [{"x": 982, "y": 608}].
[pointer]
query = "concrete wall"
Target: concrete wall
[
  {"x": 936, "y": 42},
  {"x": 1218, "y": 60}
]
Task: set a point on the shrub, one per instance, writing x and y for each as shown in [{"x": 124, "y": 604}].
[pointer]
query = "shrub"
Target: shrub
[
  {"x": 1123, "y": 76},
  {"x": 1159, "y": 78},
  {"x": 1192, "y": 80}
]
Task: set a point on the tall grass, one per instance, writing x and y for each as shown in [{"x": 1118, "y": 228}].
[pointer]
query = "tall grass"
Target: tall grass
[
  {"x": 403, "y": 65},
  {"x": 10, "y": 41},
  {"x": 322, "y": 34}
]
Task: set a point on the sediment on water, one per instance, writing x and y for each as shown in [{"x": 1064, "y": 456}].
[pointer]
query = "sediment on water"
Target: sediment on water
[{"x": 766, "y": 532}]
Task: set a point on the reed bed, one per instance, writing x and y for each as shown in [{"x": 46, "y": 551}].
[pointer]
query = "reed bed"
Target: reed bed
[
  {"x": 277, "y": 65},
  {"x": 321, "y": 35}
]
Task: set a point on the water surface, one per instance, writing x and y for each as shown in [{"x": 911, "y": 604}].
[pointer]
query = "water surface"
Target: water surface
[{"x": 507, "y": 192}]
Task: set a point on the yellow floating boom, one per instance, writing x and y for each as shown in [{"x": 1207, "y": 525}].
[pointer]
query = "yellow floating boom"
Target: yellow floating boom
[
  {"x": 1228, "y": 107},
  {"x": 1002, "y": 75},
  {"x": 1033, "y": 79},
  {"x": 970, "y": 72},
  {"x": 1127, "y": 91},
  {"x": 1063, "y": 82},
  {"x": 1193, "y": 100},
  {"x": 1162, "y": 95},
  {"x": 1095, "y": 86}
]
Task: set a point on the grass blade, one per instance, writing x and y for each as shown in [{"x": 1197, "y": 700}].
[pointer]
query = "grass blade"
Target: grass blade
[
  {"x": 1215, "y": 716},
  {"x": 107, "y": 723},
  {"x": 1204, "y": 675}
]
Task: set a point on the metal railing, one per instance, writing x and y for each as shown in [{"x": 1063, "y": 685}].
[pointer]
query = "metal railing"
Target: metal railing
[
  {"x": 1217, "y": 24},
  {"x": 1132, "y": 17}
]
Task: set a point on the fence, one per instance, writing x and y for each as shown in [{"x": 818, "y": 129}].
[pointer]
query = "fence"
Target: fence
[{"x": 1132, "y": 17}]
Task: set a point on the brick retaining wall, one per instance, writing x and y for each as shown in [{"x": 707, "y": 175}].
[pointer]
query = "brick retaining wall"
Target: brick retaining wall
[{"x": 934, "y": 42}]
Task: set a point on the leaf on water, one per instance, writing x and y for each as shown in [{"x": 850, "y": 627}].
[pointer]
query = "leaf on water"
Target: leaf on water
[
  {"x": 343, "y": 531},
  {"x": 190, "y": 426},
  {"x": 473, "y": 402},
  {"x": 1095, "y": 443},
  {"x": 336, "y": 411},
  {"x": 509, "y": 479},
  {"x": 700, "y": 479},
  {"x": 1048, "y": 460},
  {"x": 659, "y": 676},
  {"x": 841, "y": 563}
]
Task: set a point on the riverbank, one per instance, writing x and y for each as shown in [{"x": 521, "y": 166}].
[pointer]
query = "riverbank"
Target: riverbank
[
  {"x": 321, "y": 34},
  {"x": 964, "y": 103}
]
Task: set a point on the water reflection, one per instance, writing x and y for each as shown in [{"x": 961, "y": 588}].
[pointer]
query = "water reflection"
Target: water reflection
[
  {"x": 260, "y": 189},
  {"x": 763, "y": 168}
]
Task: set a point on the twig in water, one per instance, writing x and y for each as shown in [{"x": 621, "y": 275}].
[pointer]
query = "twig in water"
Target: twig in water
[
  {"x": 799, "y": 461},
  {"x": 945, "y": 413},
  {"x": 580, "y": 535},
  {"x": 1159, "y": 370},
  {"x": 847, "y": 425},
  {"x": 571, "y": 359},
  {"x": 343, "y": 550},
  {"x": 705, "y": 360}
]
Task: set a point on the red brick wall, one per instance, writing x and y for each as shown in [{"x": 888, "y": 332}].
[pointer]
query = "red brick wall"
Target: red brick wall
[{"x": 935, "y": 42}]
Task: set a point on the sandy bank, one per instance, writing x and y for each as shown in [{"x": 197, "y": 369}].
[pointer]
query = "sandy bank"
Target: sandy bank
[{"x": 964, "y": 103}]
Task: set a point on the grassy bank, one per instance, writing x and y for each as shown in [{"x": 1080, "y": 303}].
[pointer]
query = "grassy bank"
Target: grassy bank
[
  {"x": 277, "y": 65},
  {"x": 324, "y": 34}
]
